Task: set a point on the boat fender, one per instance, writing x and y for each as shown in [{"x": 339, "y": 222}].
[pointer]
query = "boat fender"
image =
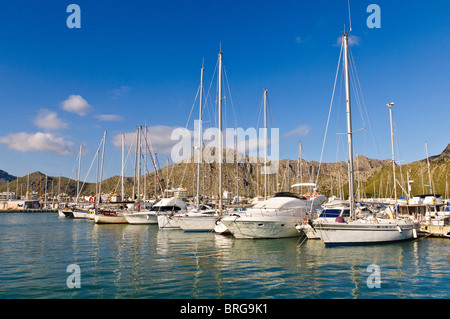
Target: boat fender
[{"x": 399, "y": 229}]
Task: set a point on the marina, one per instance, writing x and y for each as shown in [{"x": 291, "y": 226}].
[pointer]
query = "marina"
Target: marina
[
  {"x": 140, "y": 261},
  {"x": 166, "y": 187}
]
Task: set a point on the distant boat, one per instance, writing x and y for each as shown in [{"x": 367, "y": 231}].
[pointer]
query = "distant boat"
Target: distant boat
[
  {"x": 110, "y": 217},
  {"x": 65, "y": 212},
  {"x": 332, "y": 211},
  {"x": 166, "y": 208}
]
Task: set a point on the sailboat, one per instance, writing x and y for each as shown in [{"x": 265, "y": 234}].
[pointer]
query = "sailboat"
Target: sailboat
[
  {"x": 107, "y": 216},
  {"x": 370, "y": 229},
  {"x": 199, "y": 220},
  {"x": 140, "y": 216}
]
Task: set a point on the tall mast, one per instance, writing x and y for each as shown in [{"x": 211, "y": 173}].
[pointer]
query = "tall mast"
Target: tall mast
[
  {"x": 123, "y": 167},
  {"x": 220, "y": 133},
  {"x": 301, "y": 164},
  {"x": 101, "y": 169},
  {"x": 78, "y": 173},
  {"x": 135, "y": 165},
  {"x": 429, "y": 171},
  {"x": 200, "y": 139},
  {"x": 139, "y": 168},
  {"x": 265, "y": 144},
  {"x": 351, "y": 181},
  {"x": 392, "y": 143}
]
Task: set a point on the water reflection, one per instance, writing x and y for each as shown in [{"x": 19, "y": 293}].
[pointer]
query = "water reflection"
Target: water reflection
[{"x": 139, "y": 261}]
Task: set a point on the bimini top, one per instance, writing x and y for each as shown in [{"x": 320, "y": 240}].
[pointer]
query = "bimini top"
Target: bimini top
[
  {"x": 171, "y": 201},
  {"x": 281, "y": 201},
  {"x": 289, "y": 194}
]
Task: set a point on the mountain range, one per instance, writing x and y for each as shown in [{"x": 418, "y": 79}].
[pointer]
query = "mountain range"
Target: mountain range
[{"x": 373, "y": 178}]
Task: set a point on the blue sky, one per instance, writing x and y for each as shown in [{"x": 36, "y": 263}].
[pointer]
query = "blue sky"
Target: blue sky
[{"x": 138, "y": 62}]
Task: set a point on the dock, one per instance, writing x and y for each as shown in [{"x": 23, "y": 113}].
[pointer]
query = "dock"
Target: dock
[
  {"x": 29, "y": 210},
  {"x": 435, "y": 230}
]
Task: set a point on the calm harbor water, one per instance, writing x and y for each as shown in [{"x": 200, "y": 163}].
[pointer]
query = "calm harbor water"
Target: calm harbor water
[{"x": 139, "y": 261}]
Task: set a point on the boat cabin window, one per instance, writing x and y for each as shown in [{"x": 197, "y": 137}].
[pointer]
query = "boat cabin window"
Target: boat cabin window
[
  {"x": 346, "y": 213},
  {"x": 165, "y": 208},
  {"x": 330, "y": 213}
]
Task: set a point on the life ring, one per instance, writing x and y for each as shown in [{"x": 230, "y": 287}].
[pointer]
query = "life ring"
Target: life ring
[
  {"x": 307, "y": 195},
  {"x": 304, "y": 221},
  {"x": 316, "y": 194}
]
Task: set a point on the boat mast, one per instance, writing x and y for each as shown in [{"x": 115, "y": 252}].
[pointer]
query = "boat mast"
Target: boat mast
[
  {"x": 301, "y": 164},
  {"x": 101, "y": 168},
  {"x": 351, "y": 181},
  {"x": 220, "y": 133},
  {"x": 123, "y": 166},
  {"x": 200, "y": 140},
  {"x": 393, "y": 155},
  {"x": 78, "y": 173},
  {"x": 429, "y": 171},
  {"x": 139, "y": 168},
  {"x": 265, "y": 144}
]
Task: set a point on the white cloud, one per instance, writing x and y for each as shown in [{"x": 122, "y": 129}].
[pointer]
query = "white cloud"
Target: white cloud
[
  {"x": 301, "y": 130},
  {"x": 120, "y": 91},
  {"x": 39, "y": 141},
  {"x": 76, "y": 104},
  {"x": 159, "y": 137},
  {"x": 109, "y": 117},
  {"x": 48, "y": 120}
]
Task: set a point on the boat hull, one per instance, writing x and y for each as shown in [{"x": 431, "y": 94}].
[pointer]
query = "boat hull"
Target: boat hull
[
  {"x": 105, "y": 219},
  {"x": 197, "y": 223},
  {"x": 241, "y": 227},
  {"x": 147, "y": 218},
  {"x": 167, "y": 222},
  {"x": 80, "y": 214},
  {"x": 65, "y": 213},
  {"x": 364, "y": 234}
]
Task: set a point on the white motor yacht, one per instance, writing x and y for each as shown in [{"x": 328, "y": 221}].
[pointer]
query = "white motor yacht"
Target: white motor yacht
[{"x": 276, "y": 217}]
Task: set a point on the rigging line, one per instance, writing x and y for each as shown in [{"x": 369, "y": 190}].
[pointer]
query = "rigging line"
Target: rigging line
[
  {"x": 358, "y": 101},
  {"x": 365, "y": 106},
  {"x": 126, "y": 161},
  {"x": 150, "y": 151},
  {"x": 338, "y": 128},
  {"x": 87, "y": 174},
  {"x": 329, "y": 113},
  {"x": 229, "y": 92},
  {"x": 192, "y": 108},
  {"x": 208, "y": 96}
]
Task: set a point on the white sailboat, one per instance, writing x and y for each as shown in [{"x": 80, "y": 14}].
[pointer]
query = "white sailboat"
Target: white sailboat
[
  {"x": 139, "y": 216},
  {"x": 370, "y": 229},
  {"x": 198, "y": 220}
]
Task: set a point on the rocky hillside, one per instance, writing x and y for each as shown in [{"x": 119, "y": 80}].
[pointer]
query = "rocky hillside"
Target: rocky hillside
[{"x": 372, "y": 178}]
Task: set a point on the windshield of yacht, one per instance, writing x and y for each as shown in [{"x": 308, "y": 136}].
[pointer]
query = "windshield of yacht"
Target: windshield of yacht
[
  {"x": 165, "y": 208},
  {"x": 334, "y": 213}
]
